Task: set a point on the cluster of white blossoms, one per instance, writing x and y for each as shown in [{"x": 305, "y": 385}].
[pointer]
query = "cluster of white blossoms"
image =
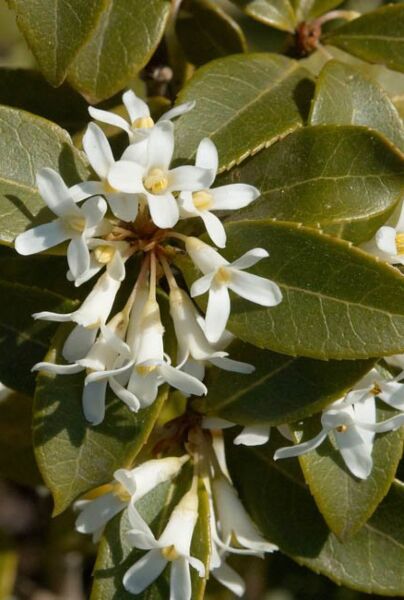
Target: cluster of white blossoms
[{"x": 130, "y": 213}]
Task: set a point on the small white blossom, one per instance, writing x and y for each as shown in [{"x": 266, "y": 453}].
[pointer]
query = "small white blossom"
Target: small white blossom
[
  {"x": 128, "y": 486},
  {"x": 154, "y": 178},
  {"x": 139, "y": 125},
  {"x": 103, "y": 253},
  {"x": 226, "y": 197},
  {"x": 74, "y": 223},
  {"x": 220, "y": 276},
  {"x": 388, "y": 242},
  {"x": 173, "y": 546}
]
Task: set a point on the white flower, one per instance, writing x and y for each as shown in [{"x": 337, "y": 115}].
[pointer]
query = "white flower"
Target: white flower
[
  {"x": 173, "y": 546},
  {"x": 220, "y": 276},
  {"x": 251, "y": 435},
  {"x": 353, "y": 424},
  {"x": 77, "y": 224},
  {"x": 140, "y": 123},
  {"x": 388, "y": 242},
  {"x": 103, "y": 254},
  {"x": 155, "y": 180},
  {"x": 99, "y": 153},
  {"x": 129, "y": 486},
  {"x": 226, "y": 197}
]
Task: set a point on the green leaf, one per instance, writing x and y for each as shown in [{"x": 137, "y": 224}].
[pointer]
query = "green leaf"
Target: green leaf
[
  {"x": 24, "y": 341},
  {"x": 281, "y": 504},
  {"x": 207, "y": 32},
  {"x": 338, "y": 302},
  {"x": 55, "y": 30},
  {"x": 345, "y": 180},
  {"x": 377, "y": 37},
  {"x": 308, "y": 9},
  {"x": 243, "y": 103},
  {"x": 344, "y": 96},
  {"x": 277, "y": 13},
  {"x": 346, "y": 502},
  {"x": 61, "y": 105},
  {"x": 28, "y": 143},
  {"x": 66, "y": 444},
  {"x": 115, "y": 556},
  {"x": 282, "y": 388},
  {"x": 127, "y": 35},
  {"x": 17, "y": 460}
]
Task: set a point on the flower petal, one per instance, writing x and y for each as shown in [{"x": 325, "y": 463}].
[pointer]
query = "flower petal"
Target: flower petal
[
  {"x": 94, "y": 210},
  {"x": 124, "y": 206},
  {"x": 255, "y": 289},
  {"x": 98, "y": 150},
  {"x": 228, "y": 577},
  {"x": 180, "y": 580},
  {"x": 41, "y": 238},
  {"x": 135, "y": 106},
  {"x": 355, "y": 451},
  {"x": 207, "y": 157},
  {"x": 182, "y": 381},
  {"x": 57, "y": 369},
  {"x": 188, "y": 179},
  {"x": 164, "y": 210},
  {"x": 78, "y": 256},
  {"x": 235, "y": 366},
  {"x": 217, "y": 313},
  {"x": 82, "y": 191},
  {"x": 78, "y": 343},
  {"x": 136, "y": 152},
  {"x": 250, "y": 258},
  {"x": 201, "y": 285},
  {"x": 127, "y": 397},
  {"x": 55, "y": 193},
  {"x": 93, "y": 400},
  {"x": 177, "y": 111},
  {"x": 144, "y": 572},
  {"x": 127, "y": 176},
  {"x": 98, "y": 512},
  {"x": 160, "y": 146},
  {"x": 214, "y": 228},
  {"x": 109, "y": 118},
  {"x": 234, "y": 196},
  {"x": 386, "y": 240},
  {"x": 299, "y": 449},
  {"x": 253, "y": 435}
]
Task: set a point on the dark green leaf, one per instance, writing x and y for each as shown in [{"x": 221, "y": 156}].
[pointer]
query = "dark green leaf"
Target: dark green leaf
[
  {"x": 243, "y": 103},
  {"x": 345, "y": 180},
  {"x": 17, "y": 460},
  {"x": 28, "y": 143},
  {"x": 55, "y": 30},
  {"x": 23, "y": 341},
  {"x": 277, "y": 13},
  {"x": 207, "y": 32},
  {"x": 308, "y": 9},
  {"x": 282, "y": 388},
  {"x": 282, "y": 506},
  {"x": 344, "y": 96},
  {"x": 346, "y": 502},
  {"x": 126, "y": 37},
  {"x": 66, "y": 444},
  {"x": 338, "y": 302},
  {"x": 377, "y": 37}
]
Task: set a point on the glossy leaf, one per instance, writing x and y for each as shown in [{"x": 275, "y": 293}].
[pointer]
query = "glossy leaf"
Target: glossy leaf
[
  {"x": 126, "y": 37},
  {"x": 17, "y": 460},
  {"x": 65, "y": 443},
  {"x": 338, "y": 302},
  {"x": 308, "y": 9},
  {"x": 28, "y": 143},
  {"x": 282, "y": 389},
  {"x": 24, "y": 341},
  {"x": 345, "y": 180},
  {"x": 115, "y": 556},
  {"x": 243, "y": 103},
  {"x": 346, "y": 502},
  {"x": 207, "y": 32},
  {"x": 282, "y": 506},
  {"x": 344, "y": 96},
  {"x": 278, "y": 13},
  {"x": 56, "y": 30},
  {"x": 377, "y": 37}
]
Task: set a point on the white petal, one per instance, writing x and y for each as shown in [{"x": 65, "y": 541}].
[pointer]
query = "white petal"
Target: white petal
[
  {"x": 98, "y": 512},
  {"x": 253, "y": 435},
  {"x": 229, "y": 578},
  {"x": 204, "y": 256},
  {"x": 250, "y": 258},
  {"x": 393, "y": 394},
  {"x": 214, "y": 228},
  {"x": 217, "y": 313},
  {"x": 177, "y": 111},
  {"x": 135, "y": 106},
  {"x": 188, "y": 179},
  {"x": 356, "y": 452},
  {"x": 98, "y": 150},
  {"x": 163, "y": 210},
  {"x": 144, "y": 572},
  {"x": 78, "y": 343},
  {"x": 51, "y": 316},
  {"x": 55, "y": 192},
  {"x": 160, "y": 146},
  {"x": 384, "y": 426},
  {"x": 93, "y": 399},
  {"x": 138, "y": 524},
  {"x": 109, "y": 118},
  {"x": 255, "y": 289},
  {"x": 236, "y": 366},
  {"x": 94, "y": 210},
  {"x": 41, "y": 238},
  {"x": 57, "y": 369},
  {"x": 124, "y": 206},
  {"x": 82, "y": 191},
  {"x": 182, "y": 381},
  {"x": 131, "y": 401},
  {"x": 207, "y": 156},
  {"x": 180, "y": 580},
  {"x": 127, "y": 176},
  {"x": 234, "y": 196},
  {"x": 101, "y": 375},
  {"x": 145, "y": 387},
  {"x": 386, "y": 240},
  {"x": 216, "y": 423},
  {"x": 78, "y": 256},
  {"x": 299, "y": 449},
  {"x": 136, "y": 152},
  {"x": 201, "y": 285}
]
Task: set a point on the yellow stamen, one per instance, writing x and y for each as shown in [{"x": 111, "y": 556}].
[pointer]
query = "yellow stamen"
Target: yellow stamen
[
  {"x": 375, "y": 391},
  {"x": 77, "y": 224},
  {"x": 121, "y": 493},
  {"x": 145, "y": 370},
  {"x": 342, "y": 428},
  {"x": 143, "y": 123},
  {"x": 156, "y": 181},
  {"x": 400, "y": 243},
  {"x": 170, "y": 553},
  {"x": 104, "y": 254},
  {"x": 202, "y": 200},
  {"x": 223, "y": 275}
]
